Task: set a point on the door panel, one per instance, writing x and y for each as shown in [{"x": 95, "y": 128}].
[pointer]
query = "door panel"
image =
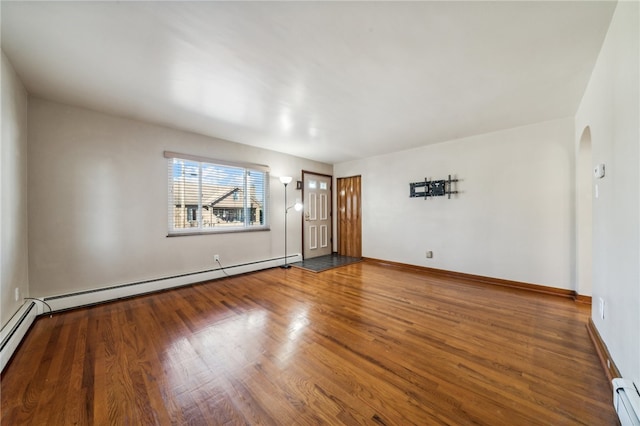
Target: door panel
[
  {"x": 313, "y": 237},
  {"x": 313, "y": 206},
  {"x": 316, "y": 232},
  {"x": 349, "y": 216}
]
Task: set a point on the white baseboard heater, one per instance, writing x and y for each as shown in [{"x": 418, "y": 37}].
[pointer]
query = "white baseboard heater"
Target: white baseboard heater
[
  {"x": 14, "y": 331},
  {"x": 17, "y": 327},
  {"x": 99, "y": 295},
  {"x": 626, "y": 401}
]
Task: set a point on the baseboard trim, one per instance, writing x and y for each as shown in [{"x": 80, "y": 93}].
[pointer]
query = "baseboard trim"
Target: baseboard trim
[
  {"x": 479, "y": 279},
  {"x": 609, "y": 367},
  {"x": 14, "y": 331},
  {"x": 80, "y": 299},
  {"x": 580, "y": 298}
]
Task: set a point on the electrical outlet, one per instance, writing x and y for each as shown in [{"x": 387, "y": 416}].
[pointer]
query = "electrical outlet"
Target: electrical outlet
[
  {"x": 17, "y": 294},
  {"x": 429, "y": 254},
  {"x": 601, "y": 308},
  {"x": 216, "y": 258}
]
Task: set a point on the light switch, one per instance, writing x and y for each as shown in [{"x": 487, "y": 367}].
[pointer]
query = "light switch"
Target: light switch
[{"x": 601, "y": 308}]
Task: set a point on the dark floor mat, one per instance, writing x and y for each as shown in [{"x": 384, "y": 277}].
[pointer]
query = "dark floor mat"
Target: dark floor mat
[{"x": 323, "y": 263}]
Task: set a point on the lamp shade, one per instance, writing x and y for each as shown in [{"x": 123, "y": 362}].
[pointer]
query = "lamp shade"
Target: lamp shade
[{"x": 286, "y": 179}]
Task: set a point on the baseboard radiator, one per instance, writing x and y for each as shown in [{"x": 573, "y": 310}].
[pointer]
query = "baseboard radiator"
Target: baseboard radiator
[
  {"x": 17, "y": 327},
  {"x": 626, "y": 400},
  {"x": 14, "y": 331},
  {"x": 99, "y": 295}
]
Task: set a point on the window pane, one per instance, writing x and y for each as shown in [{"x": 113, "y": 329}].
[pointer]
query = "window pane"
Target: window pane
[
  {"x": 256, "y": 201},
  {"x": 221, "y": 195},
  {"x": 184, "y": 183}
]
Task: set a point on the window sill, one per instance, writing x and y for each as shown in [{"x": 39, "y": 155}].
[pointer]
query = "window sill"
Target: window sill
[{"x": 217, "y": 231}]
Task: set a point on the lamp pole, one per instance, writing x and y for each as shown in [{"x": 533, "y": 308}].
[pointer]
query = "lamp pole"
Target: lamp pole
[{"x": 285, "y": 180}]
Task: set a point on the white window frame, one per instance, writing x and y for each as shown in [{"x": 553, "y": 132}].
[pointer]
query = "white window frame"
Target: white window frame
[{"x": 245, "y": 225}]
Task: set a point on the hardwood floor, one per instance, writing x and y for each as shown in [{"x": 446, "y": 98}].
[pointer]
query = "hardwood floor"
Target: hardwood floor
[{"x": 361, "y": 344}]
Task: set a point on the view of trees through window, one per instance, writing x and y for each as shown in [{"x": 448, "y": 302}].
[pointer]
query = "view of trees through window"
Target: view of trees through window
[{"x": 211, "y": 197}]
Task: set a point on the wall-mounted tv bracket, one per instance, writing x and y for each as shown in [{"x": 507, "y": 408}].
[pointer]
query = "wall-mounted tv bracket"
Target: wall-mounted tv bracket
[{"x": 432, "y": 188}]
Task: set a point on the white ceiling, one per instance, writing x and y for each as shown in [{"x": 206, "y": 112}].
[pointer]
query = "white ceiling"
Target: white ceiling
[{"x": 330, "y": 81}]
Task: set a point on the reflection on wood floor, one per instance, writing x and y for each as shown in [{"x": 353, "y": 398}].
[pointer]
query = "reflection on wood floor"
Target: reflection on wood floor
[{"x": 360, "y": 344}]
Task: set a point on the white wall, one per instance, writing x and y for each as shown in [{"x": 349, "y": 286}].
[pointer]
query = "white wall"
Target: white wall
[
  {"x": 13, "y": 190},
  {"x": 512, "y": 220},
  {"x": 98, "y": 202},
  {"x": 610, "y": 107}
]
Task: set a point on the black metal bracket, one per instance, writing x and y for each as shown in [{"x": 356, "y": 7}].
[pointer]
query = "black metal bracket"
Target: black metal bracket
[{"x": 432, "y": 188}]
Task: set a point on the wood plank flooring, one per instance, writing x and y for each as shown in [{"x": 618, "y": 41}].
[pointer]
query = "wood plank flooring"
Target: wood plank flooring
[{"x": 361, "y": 344}]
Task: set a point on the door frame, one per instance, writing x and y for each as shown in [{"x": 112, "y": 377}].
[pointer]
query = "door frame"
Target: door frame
[{"x": 304, "y": 206}]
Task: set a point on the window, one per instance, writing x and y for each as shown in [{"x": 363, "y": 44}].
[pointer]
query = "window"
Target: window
[{"x": 208, "y": 196}]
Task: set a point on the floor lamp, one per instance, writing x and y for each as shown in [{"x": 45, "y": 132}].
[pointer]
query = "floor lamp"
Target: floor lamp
[{"x": 286, "y": 180}]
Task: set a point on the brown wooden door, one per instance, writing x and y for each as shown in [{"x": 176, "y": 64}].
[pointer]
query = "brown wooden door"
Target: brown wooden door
[
  {"x": 349, "y": 216},
  {"x": 316, "y": 231}
]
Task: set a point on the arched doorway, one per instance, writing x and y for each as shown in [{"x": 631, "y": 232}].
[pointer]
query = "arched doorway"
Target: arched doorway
[{"x": 584, "y": 208}]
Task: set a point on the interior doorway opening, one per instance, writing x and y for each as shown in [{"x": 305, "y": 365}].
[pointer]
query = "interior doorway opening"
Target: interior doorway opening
[{"x": 584, "y": 214}]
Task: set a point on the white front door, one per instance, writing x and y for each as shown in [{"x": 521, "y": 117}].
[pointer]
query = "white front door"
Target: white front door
[{"x": 317, "y": 234}]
